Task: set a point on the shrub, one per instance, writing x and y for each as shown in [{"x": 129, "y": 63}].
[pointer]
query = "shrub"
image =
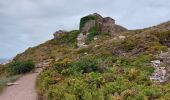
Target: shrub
[
  {"x": 129, "y": 44},
  {"x": 162, "y": 35},
  {"x": 157, "y": 48},
  {"x": 19, "y": 67},
  {"x": 61, "y": 65},
  {"x": 92, "y": 33},
  {"x": 84, "y": 65},
  {"x": 127, "y": 93},
  {"x": 123, "y": 62},
  {"x": 68, "y": 38},
  {"x": 45, "y": 80},
  {"x": 152, "y": 93},
  {"x": 2, "y": 70},
  {"x": 132, "y": 74}
]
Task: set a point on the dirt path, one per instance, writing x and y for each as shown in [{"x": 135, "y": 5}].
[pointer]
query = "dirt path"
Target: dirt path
[{"x": 24, "y": 90}]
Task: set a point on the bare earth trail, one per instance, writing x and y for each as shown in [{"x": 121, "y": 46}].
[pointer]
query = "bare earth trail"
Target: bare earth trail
[{"x": 24, "y": 90}]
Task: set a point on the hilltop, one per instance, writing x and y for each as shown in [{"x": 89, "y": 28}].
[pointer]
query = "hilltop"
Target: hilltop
[{"x": 104, "y": 61}]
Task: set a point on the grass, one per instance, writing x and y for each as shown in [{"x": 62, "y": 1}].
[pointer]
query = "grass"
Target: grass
[
  {"x": 4, "y": 80},
  {"x": 99, "y": 72}
]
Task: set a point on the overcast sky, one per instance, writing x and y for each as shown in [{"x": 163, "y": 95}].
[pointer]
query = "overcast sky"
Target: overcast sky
[{"x": 26, "y": 23}]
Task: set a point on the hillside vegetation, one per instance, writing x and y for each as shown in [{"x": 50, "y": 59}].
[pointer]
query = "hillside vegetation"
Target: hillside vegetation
[
  {"x": 12, "y": 71},
  {"x": 112, "y": 67}
]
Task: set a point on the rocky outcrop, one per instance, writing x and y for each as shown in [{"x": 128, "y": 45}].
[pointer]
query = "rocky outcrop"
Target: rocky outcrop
[
  {"x": 96, "y": 23},
  {"x": 103, "y": 25},
  {"x": 87, "y": 26},
  {"x": 81, "y": 40},
  {"x": 162, "y": 67},
  {"x": 160, "y": 73},
  {"x": 57, "y": 34}
]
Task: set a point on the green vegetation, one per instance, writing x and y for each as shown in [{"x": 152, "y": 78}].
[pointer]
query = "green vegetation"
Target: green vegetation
[
  {"x": 92, "y": 33},
  {"x": 4, "y": 80},
  {"x": 98, "y": 73},
  {"x": 68, "y": 39},
  {"x": 108, "y": 68},
  {"x": 129, "y": 44},
  {"x": 101, "y": 77},
  {"x": 12, "y": 71},
  {"x": 20, "y": 67},
  {"x": 162, "y": 35},
  {"x": 85, "y": 19},
  {"x": 65, "y": 44}
]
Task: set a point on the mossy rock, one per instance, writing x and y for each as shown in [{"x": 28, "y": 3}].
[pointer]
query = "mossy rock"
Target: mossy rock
[{"x": 85, "y": 19}]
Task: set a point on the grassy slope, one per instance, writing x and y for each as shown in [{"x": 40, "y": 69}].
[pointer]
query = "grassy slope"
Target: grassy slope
[{"x": 100, "y": 71}]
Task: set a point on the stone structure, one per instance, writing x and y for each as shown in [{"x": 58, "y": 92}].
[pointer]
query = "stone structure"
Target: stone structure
[
  {"x": 88, "y": 25},
  {"x": 102, "y": 25}
]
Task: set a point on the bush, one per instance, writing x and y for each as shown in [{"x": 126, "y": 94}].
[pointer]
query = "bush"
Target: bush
[
  {"x": 85, "y": 65},
  {"x": 129, "y": 44},
  {"x": 152, "y": 93},
  {"x": 61, "y": 65},
  {"x": 162, "y": 35},
  {"x": 68, "y": 39},
  {"x": 157, "y": 48},
  {"x": 101, "y": 77},
  {"x": 92, "y": 33},
  {"x": 20, "y": 67}
]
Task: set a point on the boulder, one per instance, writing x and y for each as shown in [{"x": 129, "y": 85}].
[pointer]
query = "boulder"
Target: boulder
[
  {"x": 10, "y": 84},
  {"x": 58, "y": 34},
  {"x": 81, "y": 40}
]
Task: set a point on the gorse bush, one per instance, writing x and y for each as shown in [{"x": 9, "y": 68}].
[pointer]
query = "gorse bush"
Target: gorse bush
[
  {"x": 101, "y": 77},
  {"x": 20, "y": 67}
]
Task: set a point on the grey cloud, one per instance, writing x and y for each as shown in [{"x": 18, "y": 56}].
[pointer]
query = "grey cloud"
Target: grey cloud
[{"x": 25, "y": 23}]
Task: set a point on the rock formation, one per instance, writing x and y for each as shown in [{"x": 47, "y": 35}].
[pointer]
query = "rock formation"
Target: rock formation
[
  {"x": 162, "y": 68},
  {"x": 104, "y": 25},
  {"x": 81, "y": 40},
  {"x": 58, "y": 33},
  {"x": 95, "y": 22}
]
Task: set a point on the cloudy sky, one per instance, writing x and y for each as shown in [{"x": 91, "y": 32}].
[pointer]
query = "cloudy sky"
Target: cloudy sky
[{"x": 26, "y": 23}]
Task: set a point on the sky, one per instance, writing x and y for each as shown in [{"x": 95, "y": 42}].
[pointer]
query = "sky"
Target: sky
[{"x": 27, "y": 23}]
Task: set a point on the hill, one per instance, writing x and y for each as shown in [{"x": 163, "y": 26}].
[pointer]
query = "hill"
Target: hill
[{"x": 104, "y": 61}]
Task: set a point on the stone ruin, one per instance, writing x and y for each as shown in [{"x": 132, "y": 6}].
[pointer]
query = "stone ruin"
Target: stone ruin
[{"x": 105, "y": 25}]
